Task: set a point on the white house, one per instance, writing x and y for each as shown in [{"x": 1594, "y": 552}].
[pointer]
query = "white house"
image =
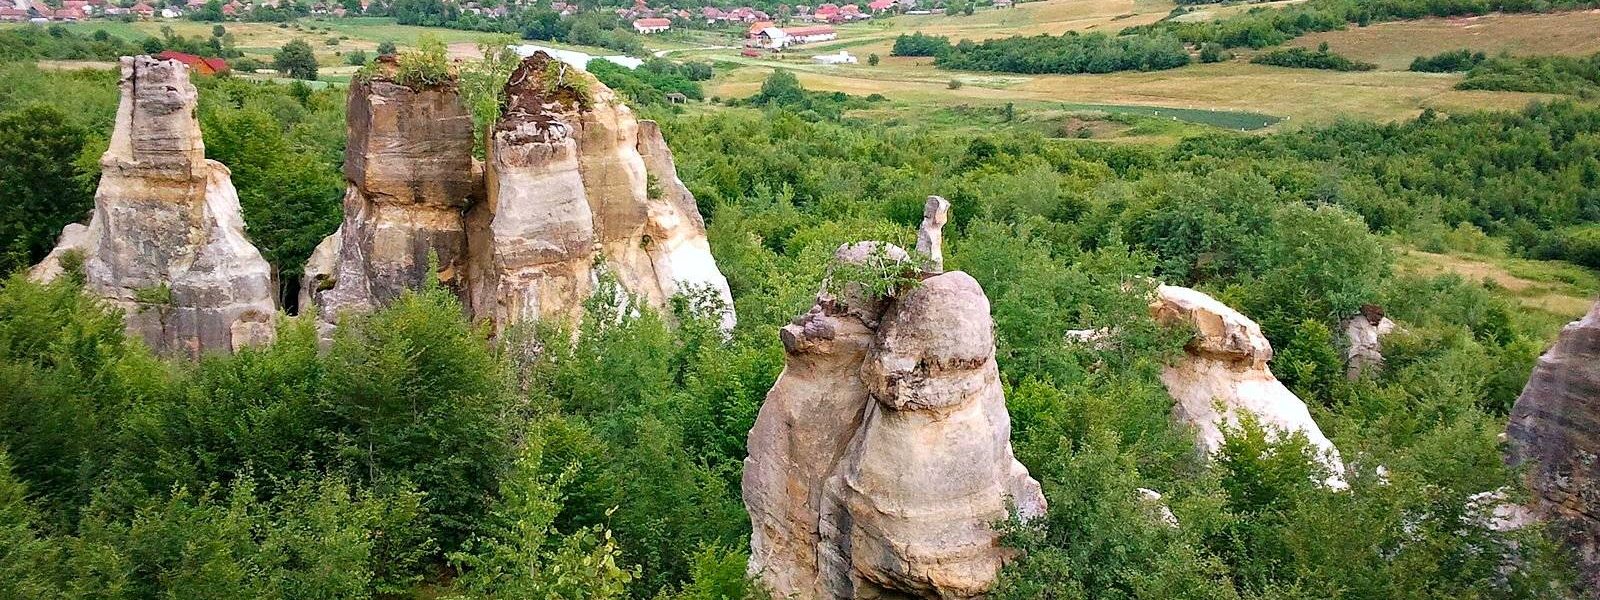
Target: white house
[
  {"x": 653, "y": 25},
  {"x": 773, "y": 37},
  {"x": 841, "y": 58}
]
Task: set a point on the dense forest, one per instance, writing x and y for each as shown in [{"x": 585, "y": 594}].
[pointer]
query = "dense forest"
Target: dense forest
[{"x": 415, "y": 458}]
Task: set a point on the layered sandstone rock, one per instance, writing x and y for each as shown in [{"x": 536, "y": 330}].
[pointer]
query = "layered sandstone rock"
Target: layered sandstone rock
[
  {"x": 1364, "y": 341},
  {"x": 1224, "y": 374},
  {"x": 166, "y": 241},
  {"x": 573, "y": 187},
  {"x": 1554, "y": 431},
  {"x": 576, "y": 182},
  {"x": 409, "y": 178},
  {"x": 882, "y": 457}
]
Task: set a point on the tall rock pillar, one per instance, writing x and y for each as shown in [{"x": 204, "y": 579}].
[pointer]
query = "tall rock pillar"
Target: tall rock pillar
[
  {"x": 882, "y": 455},
  {"x": 410, "y": 178},
  {"x": 166, "y": 241}
]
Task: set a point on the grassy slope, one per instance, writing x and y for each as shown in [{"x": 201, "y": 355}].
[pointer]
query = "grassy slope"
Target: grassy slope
[{"x": 1393, "y": 45}]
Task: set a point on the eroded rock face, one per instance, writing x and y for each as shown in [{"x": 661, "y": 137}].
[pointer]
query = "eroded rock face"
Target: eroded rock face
[
  {"x": 1364, "y": 337},
  {"x": 882, "y": 454},
  {"x": 573, "y": 186},
  {"x": 1226, "y": 365},
  {"x": 166, "y": 241},
  {"x": 409, "y": 178},
  {"x": 575, "y": 181},
  {"x": 1555, "y": 431}
]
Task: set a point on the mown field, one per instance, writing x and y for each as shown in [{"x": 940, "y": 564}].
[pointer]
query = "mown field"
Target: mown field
[{"x": 1234, "y": 90}]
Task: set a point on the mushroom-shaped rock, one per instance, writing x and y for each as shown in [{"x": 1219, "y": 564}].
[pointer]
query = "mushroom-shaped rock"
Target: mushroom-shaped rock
[
  {"x": 1554, "y": 430},
  {"x": 166, "y": 241},
  {"x": 1224, "y": 374},
  {"x": 881, "y": 457}
]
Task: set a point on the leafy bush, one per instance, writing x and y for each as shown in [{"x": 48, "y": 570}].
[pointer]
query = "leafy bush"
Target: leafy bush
[
  {"x": 428, "y": 65},
  {"x": 1068, "y": 53},
  {"x": 1547, "y": 74},
  {"x": 1448, "y": 62},
  {"x": 1302, "y": 58},
  {"x": 919, "y": 44}
]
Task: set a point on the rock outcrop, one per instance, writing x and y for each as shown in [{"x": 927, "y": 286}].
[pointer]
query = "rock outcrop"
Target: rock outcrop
[
  {"x": 574, "y": 187},
  {"x": 1554, "y": 431},
  {"x": 166, "y": 241},
  {"x": 1225, "y": 373},
  {"x": 409, "y": 178},
  {"x": 882, "y": 455},
  {"x": 1364, "y": 341},
  {"x": 576, "y": 183}
]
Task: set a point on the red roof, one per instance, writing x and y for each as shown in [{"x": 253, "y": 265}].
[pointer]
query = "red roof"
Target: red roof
[
  {"x": 142, "y": 8},
  {"x": 204, "y": 66},
  {"x": 757, "y": 27},
  {"x": 827, "y": 9},
  {"x": 652, "y": 23},
  {"x": 812, "y": 30},
  {"x": 881, "y": 4}
]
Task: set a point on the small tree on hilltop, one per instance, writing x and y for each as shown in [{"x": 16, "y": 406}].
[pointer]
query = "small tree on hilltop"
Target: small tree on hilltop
[
  {"x": 296, "y": 60},
  {"x": 872, "y": 60}
]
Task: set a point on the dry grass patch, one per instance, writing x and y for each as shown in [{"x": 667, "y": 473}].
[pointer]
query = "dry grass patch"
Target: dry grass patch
[{"x": 1394, "y": 45}]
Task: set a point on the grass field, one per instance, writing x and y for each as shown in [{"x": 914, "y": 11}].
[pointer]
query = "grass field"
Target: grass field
[
  {"x": 1562, "y": 291},
  {"x": 1235, "y": 94},
  {"x": 1393, "y": 45}
]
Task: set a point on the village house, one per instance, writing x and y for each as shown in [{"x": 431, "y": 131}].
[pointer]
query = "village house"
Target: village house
[
  {"x": 656, "y": 25},
  {"x": 840, "y": 58},
  {"x": 778, "y": 38},
  {"x": 203, "y": 66},
  {"x": 143, "y": 11},
  {"x": 881, "y": 6}
]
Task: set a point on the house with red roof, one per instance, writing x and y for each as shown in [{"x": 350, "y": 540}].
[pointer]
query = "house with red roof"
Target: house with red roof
[
  {"x": 203, "y": 66},
  {"x": 655, "y": 25},
  {"x": 881, "y": 6},
  {"x": 232, "y": 9},
  {"x": 756, "y": 28},
  {"x": 12, "y": 15},
  {"x": 144, "y": 11}
]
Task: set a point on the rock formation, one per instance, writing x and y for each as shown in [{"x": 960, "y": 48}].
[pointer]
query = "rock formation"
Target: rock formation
[
  {"x": 882, "y": 455},
  {"x": 574, "y": 187},
  {"x": 409, "y": 178},
  {"x": 1225, "y": 372},
  {"x": 166, "y": 241},
  {"x": 1364, "y": 334},
  {"x": 1554, "y": 431},
  {"x": 576, "y": 182}
]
